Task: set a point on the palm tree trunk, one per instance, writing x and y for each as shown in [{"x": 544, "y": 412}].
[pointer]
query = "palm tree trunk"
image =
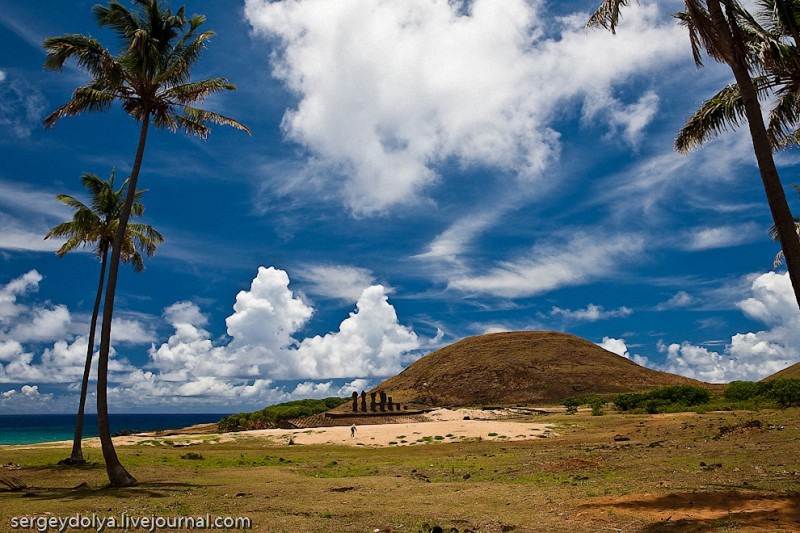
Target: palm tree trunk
[
  {"x": 77, "y": 452},
  {"x": 117, "y": 475},
  {"x": 776, "y": 198}
]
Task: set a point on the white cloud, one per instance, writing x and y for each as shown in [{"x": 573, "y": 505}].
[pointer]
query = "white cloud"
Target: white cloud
[
  {"x": 43, "y": 325},
  {"x": 22, "y": 107},
  {"x": 268, "y": 314},
  {"x": 26, "y": 400},
  {"x": 679, "y": 299},
  {"x": 22, "y": 323},
  {"x": 370, "y": 342},
  {"x": 629, "y": 120},
  {"x": 390, "y": 90},
  {"x": 548, "y": 267},
  {"x": 723, "y": 236},
  {"x": 28, "y": 282},
  {"x": 337, "y": 281},
  {"x": 592, "y": 313},
  {"x": 751, "y": 355},
  {"x": 619, "y": 347},
  {"x": 185, "y": 313},
  {"x": 616, "y": 346}
]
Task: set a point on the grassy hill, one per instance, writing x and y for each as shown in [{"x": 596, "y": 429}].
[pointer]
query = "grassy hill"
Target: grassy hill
[
  {"x": 525, "y": 367},
  {"x": 790, "y": 372}
]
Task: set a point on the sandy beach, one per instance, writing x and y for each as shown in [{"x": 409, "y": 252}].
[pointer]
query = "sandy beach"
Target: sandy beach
[{"x": 443, "y": 425}]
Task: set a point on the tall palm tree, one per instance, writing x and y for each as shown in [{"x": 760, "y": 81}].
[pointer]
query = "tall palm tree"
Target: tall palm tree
[
  {"x": 95, "y": 225},
  {"x": 722, "y": 29},
  {"x": 150, "y": 77}
]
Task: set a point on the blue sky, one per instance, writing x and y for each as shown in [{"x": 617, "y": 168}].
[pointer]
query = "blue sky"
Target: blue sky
[{"x": 419, "y": 172}]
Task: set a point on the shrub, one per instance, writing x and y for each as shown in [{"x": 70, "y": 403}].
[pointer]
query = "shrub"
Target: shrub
[
  {"x": 572, "y": 405},
  {"x": 597, "y": 406},
  {"x": 785, "y": 391},
  {"x": 739, "y": 391},
  {"x": 663, "y": 399},
  {"x": 272, "y": 415}
]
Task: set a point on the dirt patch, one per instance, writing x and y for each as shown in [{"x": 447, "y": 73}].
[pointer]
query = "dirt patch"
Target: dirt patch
[
  {"x": 701, "y": 511},
  {"x": 573, "y": 464}
]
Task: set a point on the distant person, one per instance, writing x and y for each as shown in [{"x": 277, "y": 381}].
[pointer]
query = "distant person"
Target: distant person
[{"x": 352, "y": 431}]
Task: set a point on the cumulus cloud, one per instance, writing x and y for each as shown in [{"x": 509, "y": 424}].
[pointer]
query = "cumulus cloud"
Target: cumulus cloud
[
  {"x": 27, "y": 330},
  {"x": 619, "y": 347},
  {"x": 551, "y": 266},
  {"x": 26, "y": 400},
  {"x": 592, "y": 313},
  {"x": 751, "y": 355},
  {"x": 388, "y": 91},
  {"x": 370, "y": 342}
]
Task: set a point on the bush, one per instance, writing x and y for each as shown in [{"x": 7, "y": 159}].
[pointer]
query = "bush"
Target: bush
[
  {"x": 663, "y": 399},
  {"x": 597, "y": 406},
  {"x": 270, "y": 416},
  {"x": 739, "y": 391},
  {"x": 572, "y": 405},
  {"x": 785, "y": 391}
]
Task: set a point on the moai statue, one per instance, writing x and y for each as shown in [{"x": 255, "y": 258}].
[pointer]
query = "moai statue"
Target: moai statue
[
  {"x": 363, "y": 401},
  {"x": 389, "y": 404},
  {"x": 373, "y": 405},
  {"x": 355, "y": 401},
  {"x": 383, "y": 402}
]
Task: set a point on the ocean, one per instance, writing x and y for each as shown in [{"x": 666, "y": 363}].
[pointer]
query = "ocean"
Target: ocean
[{"x": 31, "y": 429}]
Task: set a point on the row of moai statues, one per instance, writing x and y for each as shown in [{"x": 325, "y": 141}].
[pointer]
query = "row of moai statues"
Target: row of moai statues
[{"x": 385, "y": 403}]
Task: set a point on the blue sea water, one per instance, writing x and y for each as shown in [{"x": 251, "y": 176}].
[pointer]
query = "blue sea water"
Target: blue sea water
[{"x": 31, "y": 429}]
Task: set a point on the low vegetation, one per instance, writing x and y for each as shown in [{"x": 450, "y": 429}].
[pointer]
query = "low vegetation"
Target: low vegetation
[
  {"x": 720, "y": 471},
  {"x": 673, "y": 398},
  {"x": 783, "y": 392},
  {"x": 774, "y": 394},
  {"x": 272, "y": 416}
]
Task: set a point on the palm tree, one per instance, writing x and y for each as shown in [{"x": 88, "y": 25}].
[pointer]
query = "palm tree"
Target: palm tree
[
  {"x": 150, "y": 77},
  {"x": 717, "y": 27},
  {"x": 95, "y": 225}
]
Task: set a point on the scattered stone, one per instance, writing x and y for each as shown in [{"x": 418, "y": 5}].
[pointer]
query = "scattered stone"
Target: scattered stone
[{"x": 621, "y": 438}]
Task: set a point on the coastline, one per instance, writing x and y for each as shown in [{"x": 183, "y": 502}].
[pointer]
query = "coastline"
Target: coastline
[{"x": 443, "y": 425}]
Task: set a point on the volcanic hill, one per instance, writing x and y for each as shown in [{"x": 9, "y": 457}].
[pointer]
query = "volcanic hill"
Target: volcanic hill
[{"x": 523, "y": 367}]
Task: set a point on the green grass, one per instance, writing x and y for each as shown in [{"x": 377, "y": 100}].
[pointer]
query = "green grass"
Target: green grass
[{"x": 466, "y": 484}]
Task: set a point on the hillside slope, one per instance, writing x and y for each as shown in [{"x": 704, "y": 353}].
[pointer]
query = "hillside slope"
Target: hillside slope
[
  {"x": 790, "y": 372},
  {"x": 525, "y": 367}
]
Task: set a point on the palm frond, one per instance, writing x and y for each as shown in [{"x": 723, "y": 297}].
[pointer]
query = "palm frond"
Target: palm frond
[
  {"x": 88, "y": 52},
  {"x": 607, "y": 15},
  {"x": 83, "y": 99},
  {"x": 785, "y": 116},
  {"x": 202, "y": 116},
  {"x": 197, "y": 91},
  {"x": 723, "y": 111}
]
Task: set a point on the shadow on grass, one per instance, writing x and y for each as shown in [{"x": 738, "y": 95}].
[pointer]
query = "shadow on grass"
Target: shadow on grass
[
  {"x": 706, "y": 511},
  {"x": 83, "y": 491}
]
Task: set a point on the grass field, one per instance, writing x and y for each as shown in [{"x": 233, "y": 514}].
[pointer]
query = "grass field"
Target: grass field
[{"x": 674, "y": 472}]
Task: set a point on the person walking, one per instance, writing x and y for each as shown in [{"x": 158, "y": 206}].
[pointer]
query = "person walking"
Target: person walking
[{"x": 352, "y": 431}]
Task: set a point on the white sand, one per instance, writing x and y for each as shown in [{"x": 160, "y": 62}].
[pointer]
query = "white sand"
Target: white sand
[{"x": 444, "y": 425}]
